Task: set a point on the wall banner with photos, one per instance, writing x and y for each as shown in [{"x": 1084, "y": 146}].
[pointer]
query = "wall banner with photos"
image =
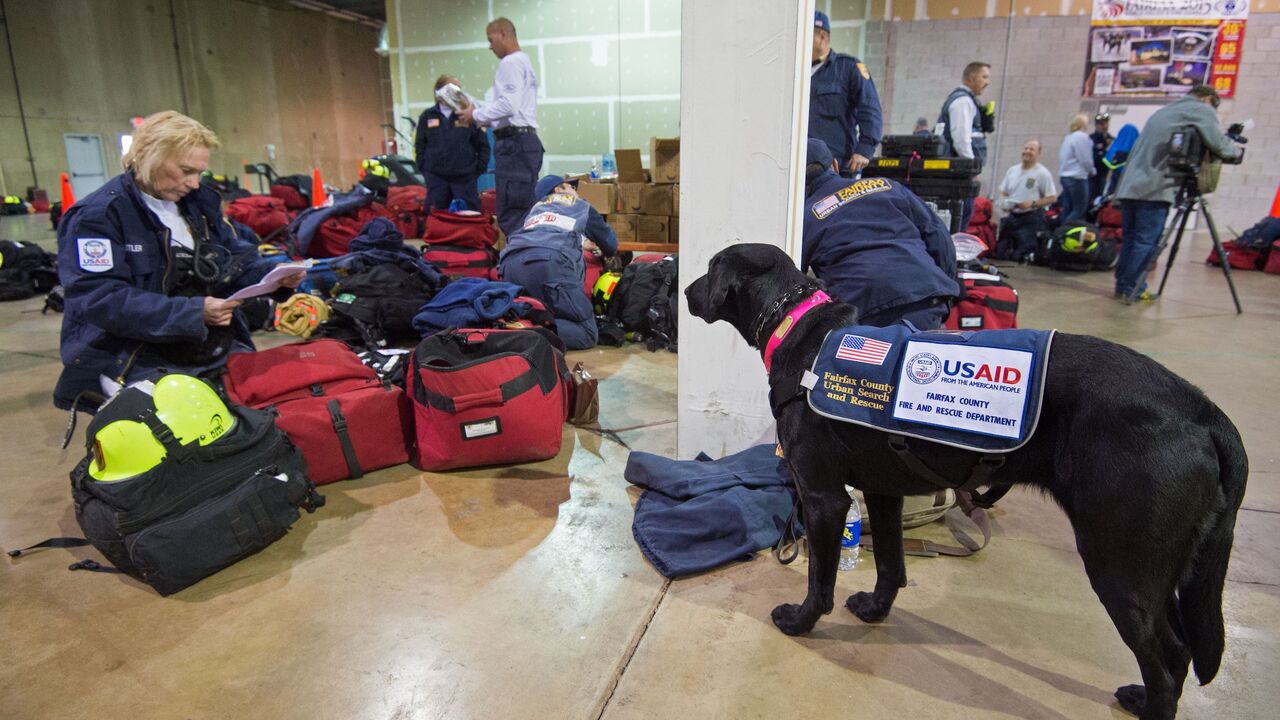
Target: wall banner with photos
[{"x": 1161, "y": 48}]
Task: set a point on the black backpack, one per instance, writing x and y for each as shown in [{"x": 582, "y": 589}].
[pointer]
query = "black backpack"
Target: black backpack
[
  {"x": 645, "y": 300},
  {"x": 25, "y": 269},
  {"x": 201, "y": 509},
  {"x": 379, "y": 305},
  {"x": 1077, "y": 246}
]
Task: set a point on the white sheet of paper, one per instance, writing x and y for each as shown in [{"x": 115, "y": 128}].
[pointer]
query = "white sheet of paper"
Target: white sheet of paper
[{"x": 271, "y": 281}]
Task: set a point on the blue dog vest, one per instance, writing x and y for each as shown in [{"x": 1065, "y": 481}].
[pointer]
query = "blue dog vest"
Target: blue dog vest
[{"x": 975, "y": 390}]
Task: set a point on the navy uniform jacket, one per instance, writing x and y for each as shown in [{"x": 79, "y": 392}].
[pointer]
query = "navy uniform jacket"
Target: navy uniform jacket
[
  {"x": 447, "y": 150},
  {"x": 875, "y": 244},
  {"x": 113, "y": 263},
  {"x": 559, "y": 221},
  {"x": 842, "y": 95}
]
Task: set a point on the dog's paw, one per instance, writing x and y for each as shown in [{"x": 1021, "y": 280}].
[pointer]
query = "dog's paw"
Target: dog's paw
[
  {"x": 1133, "y": 698},
  {"x": 866, "y": 607},
  {"x": 791, "y": 619}
]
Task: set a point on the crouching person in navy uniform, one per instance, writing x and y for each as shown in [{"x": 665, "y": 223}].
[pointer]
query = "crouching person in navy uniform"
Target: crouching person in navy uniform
[
  {"x": 545, "y": 257},
  {"x": 143, "y": 260},
  {"x": 876, "y": 246}
]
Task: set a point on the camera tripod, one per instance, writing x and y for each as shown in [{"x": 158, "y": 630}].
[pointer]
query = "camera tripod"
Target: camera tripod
[{"x": 1189, "y": 196}]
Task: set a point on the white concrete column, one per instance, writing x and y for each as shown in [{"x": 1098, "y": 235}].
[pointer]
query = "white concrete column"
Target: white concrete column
[{"x": 744, "y": 97}]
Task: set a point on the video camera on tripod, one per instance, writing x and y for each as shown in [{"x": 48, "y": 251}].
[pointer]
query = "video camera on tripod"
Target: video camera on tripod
[{"x": 1188, "y": 156}]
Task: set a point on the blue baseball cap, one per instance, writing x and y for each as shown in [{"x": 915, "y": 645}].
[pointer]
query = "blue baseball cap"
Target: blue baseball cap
[
  {"x": 548, "y": 184},
  {"x": 818, "y": 152},
  {"x": 820, "y": 20}
]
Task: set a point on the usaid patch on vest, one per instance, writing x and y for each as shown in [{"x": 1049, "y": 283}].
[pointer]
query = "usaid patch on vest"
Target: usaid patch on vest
[
  {"x": 94, "y": 254},
  {"x": 555, "y": 220},
  {"x": 975, "y": 390},
  {"x": 968, "y": 387},
  {"x": 861, "y": 188}
]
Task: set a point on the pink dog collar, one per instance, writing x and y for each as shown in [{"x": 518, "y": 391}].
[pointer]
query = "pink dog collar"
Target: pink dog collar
[{"x": 788, "y": 322}]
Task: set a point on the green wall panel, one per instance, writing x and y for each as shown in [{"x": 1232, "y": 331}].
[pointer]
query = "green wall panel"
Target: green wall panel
[
  {"x": 452, "y": 23},
  {"x": 574, "y": 129},
  {"x": 570, "y": 71},
  {"x": 641, "y": 120},
  {"x": 651, "y": 66}
]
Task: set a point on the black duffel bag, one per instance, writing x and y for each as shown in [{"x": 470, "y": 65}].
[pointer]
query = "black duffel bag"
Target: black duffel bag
[{"x": 201, "y": 509}]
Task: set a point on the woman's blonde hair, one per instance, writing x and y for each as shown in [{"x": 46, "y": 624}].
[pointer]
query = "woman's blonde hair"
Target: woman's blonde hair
[
  {"x": 162, "y": 136},
  {"x": 1078, "y": 122}
]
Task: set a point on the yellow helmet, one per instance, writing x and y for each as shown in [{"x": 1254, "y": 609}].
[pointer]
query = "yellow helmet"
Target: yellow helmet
[
  {"x": 123, "y": 444},
  {"x": 375, "y": 168},
  {"x": 1080, "y": 239},
  {"x": 604, "y": 286}
]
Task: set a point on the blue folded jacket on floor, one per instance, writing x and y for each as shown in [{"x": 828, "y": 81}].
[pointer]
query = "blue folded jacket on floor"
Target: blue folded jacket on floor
[
  {"x": 696, "y": 515},
  {"x": 466, "y": 302}
]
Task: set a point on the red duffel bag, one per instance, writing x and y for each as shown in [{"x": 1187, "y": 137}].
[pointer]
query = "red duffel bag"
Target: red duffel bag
[
  {"x": 263, "y": 214},
  {"x": 1273, "y": 259},
  {"x": 1240, "y": 258},
  {"x": 453, "y": 260},
  {"x": 486, "y": 397},
  {"x": 446, "y": 228},
  {"x": 986, "y": 303},
  {"x": 408, "y": 208},
  {"x": 344, "y": 419}
]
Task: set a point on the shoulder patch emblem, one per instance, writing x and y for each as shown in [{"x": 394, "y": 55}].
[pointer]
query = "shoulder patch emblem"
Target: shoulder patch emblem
[
  {"x": 433, "y": 122},
  {"x": 94, "y": 254},
  {"x": 848, "y": 194},
  {"x": 862, "y": 68}
]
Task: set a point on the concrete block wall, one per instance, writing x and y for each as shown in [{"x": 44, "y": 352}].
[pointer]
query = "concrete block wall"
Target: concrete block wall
[
  {"x": 309, "y": 84},
  {"x": 915, "y": 65}
]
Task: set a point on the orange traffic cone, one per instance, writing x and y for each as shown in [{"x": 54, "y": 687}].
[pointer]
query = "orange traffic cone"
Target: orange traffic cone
[
  {"x": 318, "y": 197},
  {"x": 1275, "y": 205},
  {"x": 68, "y": 196}
]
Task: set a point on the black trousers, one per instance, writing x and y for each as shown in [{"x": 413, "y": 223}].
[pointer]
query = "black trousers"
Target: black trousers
[{"x": 1017, "y": 236}]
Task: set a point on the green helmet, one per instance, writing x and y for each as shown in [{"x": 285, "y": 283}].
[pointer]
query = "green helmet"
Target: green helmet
[{"x": 125, "y": 438}]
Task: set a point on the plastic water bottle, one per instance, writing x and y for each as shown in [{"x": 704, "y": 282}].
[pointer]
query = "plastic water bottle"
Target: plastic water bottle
[
  {"x": 852, "y": 534},
  {"x": 610, "y": 166},
  {"x": 595, "y": 174}
]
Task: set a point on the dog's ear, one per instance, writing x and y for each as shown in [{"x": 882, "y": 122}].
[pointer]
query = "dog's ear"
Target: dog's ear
[{"x": 719, "y": 285}]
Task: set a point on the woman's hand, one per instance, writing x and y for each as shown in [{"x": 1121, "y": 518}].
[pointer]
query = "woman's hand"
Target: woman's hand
[
  {"x": 218, "y": 311},
  {"x": 294, "y": 280}
]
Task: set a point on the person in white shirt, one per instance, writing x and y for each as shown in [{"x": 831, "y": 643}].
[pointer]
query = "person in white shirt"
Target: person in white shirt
[
  {"x": 513, "y": 115},
  {"x": 1075, "y": 165},
  {"x": 1027, "y": 189},
  {"x": 963, "y": 127}
]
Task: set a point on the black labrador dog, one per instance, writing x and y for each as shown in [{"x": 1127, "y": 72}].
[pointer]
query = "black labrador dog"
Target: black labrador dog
[{"x": 1149, "y": 471}]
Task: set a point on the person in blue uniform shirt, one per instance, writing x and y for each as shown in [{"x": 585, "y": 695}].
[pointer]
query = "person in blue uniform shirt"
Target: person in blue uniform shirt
[
  {"x": 513, "y": 115},
  {"x": 545, "y": 257},
  {"x": 844, "y": 109},
  {"x": 451, "y": 156},
  {"x": 876, "y": 246},
  {"x": 144, "y": 261}
]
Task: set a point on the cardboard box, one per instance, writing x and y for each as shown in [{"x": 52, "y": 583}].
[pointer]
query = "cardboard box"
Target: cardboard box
[
  {"x": 657, "y": 200},
  {"x": 653, "y": 229},
  {"x": 630, "y": 198},
  {"x": 602, "y": 196},
  {"x": 626, "y": 227},
  {"x": 664, "y": 159},
  {"x": 630, "y": 170},
  {"x": 674, "y": 233},
  {"x": 675, "y": 200}
]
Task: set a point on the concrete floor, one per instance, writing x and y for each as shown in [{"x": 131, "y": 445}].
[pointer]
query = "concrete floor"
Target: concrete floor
[{"x": 519, "y": 592}]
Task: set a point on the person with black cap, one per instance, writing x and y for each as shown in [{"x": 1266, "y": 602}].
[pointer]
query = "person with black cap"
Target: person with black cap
[
  {"x": 545, "y": 257},
  {"x": 1101, "y": 141},
  {"x": 876, "y": 246},
  {"x": 842, "y": 95}
]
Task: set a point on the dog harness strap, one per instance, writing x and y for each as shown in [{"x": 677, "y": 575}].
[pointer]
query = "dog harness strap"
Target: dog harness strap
[
  {"x": 788, "y": 322},
  {"x": 988, "y": 499},
  {"x": 982, "y": 470}
]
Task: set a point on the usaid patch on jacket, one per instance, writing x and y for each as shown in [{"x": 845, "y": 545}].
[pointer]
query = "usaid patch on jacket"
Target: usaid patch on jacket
[
  {"x": 94, "y": 254},
  {"x": 976, "y": 390}
]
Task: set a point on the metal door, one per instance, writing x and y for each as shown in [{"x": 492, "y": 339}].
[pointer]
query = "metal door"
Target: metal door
[{"x": 85, "y": 163}]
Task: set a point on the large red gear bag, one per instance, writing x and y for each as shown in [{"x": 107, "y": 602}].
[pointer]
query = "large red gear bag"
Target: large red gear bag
[
  {"x": 486, "y": 397},
  {"x": 446, "y": 228},
  {"x": 344, "y": 419},
  {"x": 985, "y": 304}
]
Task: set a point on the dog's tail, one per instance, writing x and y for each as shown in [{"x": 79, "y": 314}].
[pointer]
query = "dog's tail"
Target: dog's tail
[{"x": 1200, "y": 590}]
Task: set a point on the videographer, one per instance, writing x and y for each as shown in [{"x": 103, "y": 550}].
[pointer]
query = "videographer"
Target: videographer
[{"x": 1149, "y": 185}]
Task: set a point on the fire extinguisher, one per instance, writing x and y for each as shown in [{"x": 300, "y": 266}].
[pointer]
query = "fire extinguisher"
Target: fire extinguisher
[{"x": 389, "y": 144}]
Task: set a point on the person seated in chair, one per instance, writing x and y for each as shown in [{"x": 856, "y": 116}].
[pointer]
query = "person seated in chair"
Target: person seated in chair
[
  {"x": 876, "y": 246},
  {"x": 545, "y": 257}
]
